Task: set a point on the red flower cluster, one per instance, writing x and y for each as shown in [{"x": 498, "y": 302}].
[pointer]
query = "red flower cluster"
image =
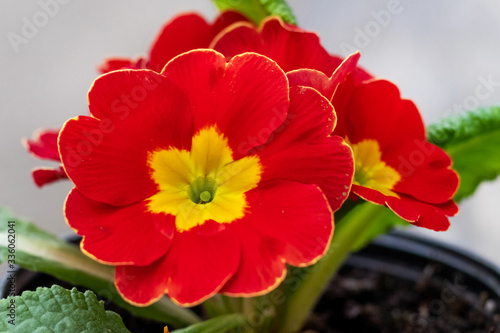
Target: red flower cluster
[
  {"x": 207, "y": 171},
  {"x": 218, "y": 175}
]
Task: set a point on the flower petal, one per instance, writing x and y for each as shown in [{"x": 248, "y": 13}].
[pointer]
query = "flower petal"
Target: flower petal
[
  {"x": 44, "y": 145},
  {"x": 247, "y": 99},
  {"x": 310, "y": 117},
  {"x": 401, "y": 208},
  {"x": 291, "y": 47},
  {"x": 433, "y": 216},
  {"x": 120, "y": 95},
  {"x": 376, "y": 111},
  {"x": 319, "y": 81},
  {"x": 194, "y": 269},
  {"x": 114, "y": 64},
  {"x": 44, "y": 176},
  {"x": 426, "y": 171},
  {"x": 327, "y": 163},
  {"x": 108, "y": 169},
  {"x": 295, "y": 215},
  {"x": 404, "y": 209},
  {"x": 226, "y": 19},
  {"x": 187, "y": 32},
  {"x": 107, "y": 158},
  {"x": 117, "y": 235},
  {"x": 183, "y": 33},
  {"x": 261, "y": 267},
  {"x": 419, "y": 213},
  {"x": 304, "y": 146},
  {"x": 369, "y": 194}
]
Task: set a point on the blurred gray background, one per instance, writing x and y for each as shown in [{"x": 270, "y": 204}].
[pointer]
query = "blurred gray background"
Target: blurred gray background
[{"x": 438, "y": 52}]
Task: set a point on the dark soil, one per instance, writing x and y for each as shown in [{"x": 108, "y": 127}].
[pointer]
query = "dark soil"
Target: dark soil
[{"x": 364, "y": 301}]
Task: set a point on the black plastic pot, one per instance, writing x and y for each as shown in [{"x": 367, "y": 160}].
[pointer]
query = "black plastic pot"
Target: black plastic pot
[
  {"x": 427, "y": 278},
  {"x": 402, "y": 283}
]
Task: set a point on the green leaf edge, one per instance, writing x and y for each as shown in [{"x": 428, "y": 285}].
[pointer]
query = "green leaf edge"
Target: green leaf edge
[
  {"x": 257, "y": 10},
  {"x": 459, "y": 128},
  {"x": 108, "y": 320},
  {"x": 458, "y": 134}
]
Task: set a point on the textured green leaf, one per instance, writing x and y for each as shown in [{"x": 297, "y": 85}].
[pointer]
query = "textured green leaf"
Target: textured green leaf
[
  {"x": 219, "y": 324},
  {"x": 38, "y": 250},
  {"x": 257, "y": 10},
  {"x": 57, "y": 310},
  {"x": 473, "y": 142},
  {"x": 280, "y": 8}
]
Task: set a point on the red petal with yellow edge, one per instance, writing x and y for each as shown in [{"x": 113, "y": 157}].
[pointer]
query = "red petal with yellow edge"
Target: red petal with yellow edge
[
  {"x": 401, "y": 208},
  {"x": 114, "y": 64},
  {"x": 304, "y": 146},
  {"x": 119, "y": 95},
  {"x": 44, "y": 145},
  {"x": 421, "y": 214},
  {"x": 310, "y": 117},
  {"x": 187, "y": 32},
  {"x": 326, "y": 163},
  {"x": 247, "y": 99},
  {"x": 44, "y": 176},
  {"x": 319, "y": 81},
  {"x": 111, "y": 169},
  {"x": 291, "y": 47},
  {"x": 107, "y": 159},
  {"x": 197, "y": 74},
  {"x": 183, "y": 33},
  {"x": 425, "y": 170},
  {"x": 434, "y": 216},
  {"x": 261, "y": 267},
  {"x": 194, "y": 269},
  {"x": 376, "y": 111},
  {"x": 296, "y": 215},
  {"x": 117, "y": 235},
  {"x": 369, "y": 194},
  {"x": 225, "y": 19}
]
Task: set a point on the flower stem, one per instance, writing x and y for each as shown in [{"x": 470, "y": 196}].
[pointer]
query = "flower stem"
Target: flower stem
[
  {"x": 348, "y": 231},
  {"x": 229, "y": 304},
  {"x": 166, "y": 306}
]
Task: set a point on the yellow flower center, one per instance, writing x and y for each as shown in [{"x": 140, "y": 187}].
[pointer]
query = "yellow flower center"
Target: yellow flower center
[
  {"x": 204, "y": 183},
  {"x": 371, "y": 171}
]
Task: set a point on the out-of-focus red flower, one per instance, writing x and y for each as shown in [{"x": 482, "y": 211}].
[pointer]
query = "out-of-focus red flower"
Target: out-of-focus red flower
[
  {"x": 183, "y": 33},
  {"x": 395, "y": 165},
  {"x": 212, "y": 178},
  {"x": 44, "y": 146}
]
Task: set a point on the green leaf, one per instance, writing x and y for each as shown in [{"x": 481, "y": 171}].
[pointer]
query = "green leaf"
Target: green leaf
[
  {"x": 473, "y": 142},
  {"x": 219, "y": 324},
  {"x": 257, "y": 10},
  {"x": 38, "y": 250},
  {"x": 57, "y": 310}
]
